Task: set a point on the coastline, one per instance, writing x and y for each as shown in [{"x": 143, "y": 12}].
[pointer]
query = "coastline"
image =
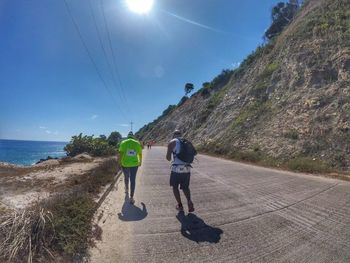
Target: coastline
[
  {"x": 22, "y": 185},
  {"x": 8, "y": 165},
  {"x": 25, "y": 153}
]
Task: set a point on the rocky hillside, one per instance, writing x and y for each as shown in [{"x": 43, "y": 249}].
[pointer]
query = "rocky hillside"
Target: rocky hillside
[{"x": 288, "y": 99}]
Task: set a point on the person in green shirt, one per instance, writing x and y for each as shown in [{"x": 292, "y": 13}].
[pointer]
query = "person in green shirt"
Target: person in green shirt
[{"x": 130, "y": 158}]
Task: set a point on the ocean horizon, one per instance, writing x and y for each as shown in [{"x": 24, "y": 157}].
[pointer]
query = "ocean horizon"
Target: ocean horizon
[{"x": 26, "y": 152}]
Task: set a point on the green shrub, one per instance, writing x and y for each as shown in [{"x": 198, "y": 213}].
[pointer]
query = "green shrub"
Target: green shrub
[
  {"x": 249, "y": 112},
  {"x": 316, "y": 146},
  {"x": 270, "y": 162},
  {"x": 308, "y": 165},
  {"x": 114, "y": 138},
  {"x": 292, "y": 134},
  {"x": 168, "y": 110},
  {"x": 203, "y": 116},
  {"x": 331, "y": 21},
  {"x": 216, "y": 99},
  {"x": 253, "y": 57},
  {"x": 213, "y": 102},
  {"x": 247, "y": 156},
  {"x": 88, "y": 144},
  {"x": 205, "y": 91},
  {"x": 71, "y": 219},
  {"x": 339, "y": 160},
  {"x": 222, "y": 79},
  {"x": 182, "y": 101},
  {"x": 263, "y": 82}
]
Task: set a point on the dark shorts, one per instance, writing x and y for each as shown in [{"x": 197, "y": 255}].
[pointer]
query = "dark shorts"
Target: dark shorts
[{"x": 182, "y": 179}]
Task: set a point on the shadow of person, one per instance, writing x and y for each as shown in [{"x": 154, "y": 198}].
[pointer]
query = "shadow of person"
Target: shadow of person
[
  {"x": 131, "y": 212},
  {"x": 195, "y": 229}
]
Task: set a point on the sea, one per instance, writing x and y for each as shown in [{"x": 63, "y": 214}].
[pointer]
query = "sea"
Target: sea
[{"x": 29, "y": 152}]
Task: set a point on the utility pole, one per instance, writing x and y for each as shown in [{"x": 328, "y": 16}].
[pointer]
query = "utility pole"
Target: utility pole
[{"x": 131, "y": 123}]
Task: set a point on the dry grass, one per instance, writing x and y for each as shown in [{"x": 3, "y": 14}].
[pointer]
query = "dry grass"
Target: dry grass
[
  {"x": 309, "y": 165},
  {"x": 11, "y": 172},
  {"x": 24, "y": 234},
  {"x": 58, "y": 229}
]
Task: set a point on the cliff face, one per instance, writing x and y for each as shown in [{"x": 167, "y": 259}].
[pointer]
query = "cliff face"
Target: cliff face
[{"x": 289, "y": 98}]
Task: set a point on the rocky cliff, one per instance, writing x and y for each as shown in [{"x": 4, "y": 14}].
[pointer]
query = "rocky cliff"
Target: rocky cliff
[{"x": 288, "y": 99}]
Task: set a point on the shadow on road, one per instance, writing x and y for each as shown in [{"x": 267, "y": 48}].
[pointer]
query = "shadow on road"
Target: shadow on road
[
  {"x": 195, "y": 229},
  {"x": 131, "y": 212}
]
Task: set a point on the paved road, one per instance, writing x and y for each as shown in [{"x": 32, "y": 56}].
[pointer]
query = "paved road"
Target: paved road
[{"x": 243, "y": 214}]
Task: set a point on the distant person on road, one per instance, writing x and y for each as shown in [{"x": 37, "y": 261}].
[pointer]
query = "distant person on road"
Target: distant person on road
[
  {"x": 130, "y": 158},
  {"x": 183, "y": 154}
]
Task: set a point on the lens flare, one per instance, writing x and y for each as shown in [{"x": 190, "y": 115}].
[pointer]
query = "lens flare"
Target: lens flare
[{"x": 140, "y": 6}]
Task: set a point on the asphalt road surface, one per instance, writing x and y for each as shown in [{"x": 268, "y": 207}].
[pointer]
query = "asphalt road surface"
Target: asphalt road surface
[{"x": 243, "y": 214}]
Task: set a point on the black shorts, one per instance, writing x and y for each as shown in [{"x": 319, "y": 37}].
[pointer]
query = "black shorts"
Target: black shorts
[{"x": 182, "y": 179}]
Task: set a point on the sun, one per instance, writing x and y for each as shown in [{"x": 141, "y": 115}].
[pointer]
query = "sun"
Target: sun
[{"x": 140, "y": 6}]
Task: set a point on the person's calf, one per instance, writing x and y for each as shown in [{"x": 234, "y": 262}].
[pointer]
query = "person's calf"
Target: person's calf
[
  {"x": 187, "y": 193},
  {"x": 177, "y": 197}
]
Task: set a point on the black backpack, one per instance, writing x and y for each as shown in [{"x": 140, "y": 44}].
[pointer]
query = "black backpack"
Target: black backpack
[{"x": 187, "y": 151}]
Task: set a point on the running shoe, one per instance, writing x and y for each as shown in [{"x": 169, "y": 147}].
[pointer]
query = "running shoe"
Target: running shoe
[
  {"x": 179, "y": 207},
  {"x": 190, "y": 207}
]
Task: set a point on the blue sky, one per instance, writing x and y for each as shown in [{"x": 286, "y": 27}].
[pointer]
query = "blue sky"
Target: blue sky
[{"x": 50, "y": 90}]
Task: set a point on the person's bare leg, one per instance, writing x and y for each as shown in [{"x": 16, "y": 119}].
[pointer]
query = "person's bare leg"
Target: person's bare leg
[
  {"x": 177, "y": 195},
  {"x": 187, "y": 193}
]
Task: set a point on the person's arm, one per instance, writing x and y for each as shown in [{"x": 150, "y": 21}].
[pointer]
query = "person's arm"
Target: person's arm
[
  {"x": 140, "y": 154},
  {"x": 121, "y": 153},
  {"x": 171, "y": 147}
]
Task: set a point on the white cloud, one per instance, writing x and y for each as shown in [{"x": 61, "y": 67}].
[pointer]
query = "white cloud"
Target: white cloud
[
  {"x": 48, "y": 131},
  {"x": 42, "y": 127},
  {"x": 94, "y": 117},
  {"x": 56, "y": 133},
  {"x": 124, "y": 125}
]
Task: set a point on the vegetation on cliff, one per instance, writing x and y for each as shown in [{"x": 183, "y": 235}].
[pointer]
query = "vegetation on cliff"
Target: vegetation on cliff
[{"x": 288, "y": 102}]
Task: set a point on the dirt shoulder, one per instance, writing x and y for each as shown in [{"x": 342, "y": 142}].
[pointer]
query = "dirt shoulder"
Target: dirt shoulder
[{"x": 21, "y": 186}]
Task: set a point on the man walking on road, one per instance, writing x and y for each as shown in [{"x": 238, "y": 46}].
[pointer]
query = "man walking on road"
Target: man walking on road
[
  {"x": 180, "y": 171},
  {"x": 130, "y": 158}
]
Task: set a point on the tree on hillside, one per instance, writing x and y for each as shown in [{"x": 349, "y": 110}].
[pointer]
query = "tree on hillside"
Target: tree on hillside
[
  {"x": 114, "y": 138},
  {"x": 206, "y": 85},
  {"x": 282, "y": 14},
  {"x": 168, "y": 110},
  {"x": 188, "y": 88}
]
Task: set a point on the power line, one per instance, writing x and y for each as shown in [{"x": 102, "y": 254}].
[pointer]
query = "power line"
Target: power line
[
  {"x": 104, "y": 50},
  {"x": 112, "y": 50},
  {"x": 90, "y": 55}
]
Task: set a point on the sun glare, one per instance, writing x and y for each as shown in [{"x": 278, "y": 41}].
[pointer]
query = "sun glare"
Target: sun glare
[{"x": 140, "y": 6}]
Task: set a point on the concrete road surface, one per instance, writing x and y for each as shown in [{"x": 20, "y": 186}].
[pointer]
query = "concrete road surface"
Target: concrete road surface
[{"x": 243, "y": 214}]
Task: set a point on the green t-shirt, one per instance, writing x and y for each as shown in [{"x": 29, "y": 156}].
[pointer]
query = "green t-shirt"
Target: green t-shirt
[{"x": 130, "y": 153}]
